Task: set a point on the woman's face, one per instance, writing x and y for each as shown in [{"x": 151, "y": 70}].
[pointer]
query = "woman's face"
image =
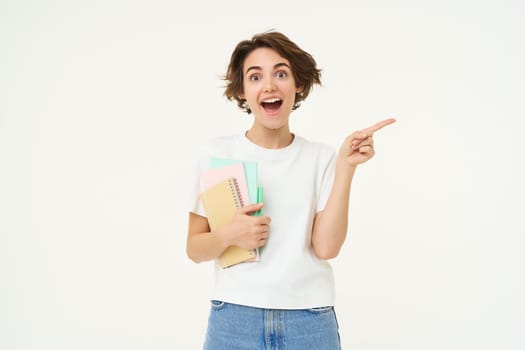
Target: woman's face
[{"x": 269, "y": 87}]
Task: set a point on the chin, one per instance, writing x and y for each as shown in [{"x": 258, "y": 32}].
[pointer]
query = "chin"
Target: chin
[{"x": 274, "y": 126}]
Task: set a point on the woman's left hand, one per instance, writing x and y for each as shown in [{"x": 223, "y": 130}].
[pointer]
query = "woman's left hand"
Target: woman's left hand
[{"x": 359, "y": 146}]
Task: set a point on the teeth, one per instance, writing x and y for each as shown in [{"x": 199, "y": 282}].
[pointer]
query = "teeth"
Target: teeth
[{"x": 272, "y": 100}]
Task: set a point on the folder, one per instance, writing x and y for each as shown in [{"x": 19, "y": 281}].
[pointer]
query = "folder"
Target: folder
[{"x": 220, "y": 203}]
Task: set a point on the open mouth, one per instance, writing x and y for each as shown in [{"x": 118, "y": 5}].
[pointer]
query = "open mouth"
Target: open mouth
[{"x": 272, "y": 104}]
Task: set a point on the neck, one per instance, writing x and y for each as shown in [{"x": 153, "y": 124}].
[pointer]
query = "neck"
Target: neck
[{"x": 268, "y": 138}]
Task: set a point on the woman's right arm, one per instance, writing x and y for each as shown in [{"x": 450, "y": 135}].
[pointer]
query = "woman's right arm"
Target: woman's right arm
[{"x": 245, "y": 231}]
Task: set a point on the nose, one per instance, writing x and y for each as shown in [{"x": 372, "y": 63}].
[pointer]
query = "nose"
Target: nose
[{"x": 269, "y": 85}]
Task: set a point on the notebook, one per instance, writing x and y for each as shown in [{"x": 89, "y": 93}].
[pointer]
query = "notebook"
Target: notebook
[
  {"x": 252, "y": 181},
  {"x": 250, "y": 169},
  {"x": 220, "y": 203},
  {"x": 213, "y": 176}
]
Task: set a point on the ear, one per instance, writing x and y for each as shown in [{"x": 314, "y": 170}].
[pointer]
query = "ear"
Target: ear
[
  {"x": 241, "y": 96},
  {"x": 299, "y": 89}
]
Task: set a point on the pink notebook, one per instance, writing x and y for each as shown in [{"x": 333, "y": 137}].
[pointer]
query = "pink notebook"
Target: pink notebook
[{"x": 212, "y": 177}]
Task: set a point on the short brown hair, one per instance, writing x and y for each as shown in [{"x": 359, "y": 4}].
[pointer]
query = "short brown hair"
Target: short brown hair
[{"x": 303, "y": 66}]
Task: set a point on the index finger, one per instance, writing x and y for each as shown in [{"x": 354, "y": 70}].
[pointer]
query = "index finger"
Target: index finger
[
  {"x": 250, "y": 208},
  {"x": 378, "y": 126}
]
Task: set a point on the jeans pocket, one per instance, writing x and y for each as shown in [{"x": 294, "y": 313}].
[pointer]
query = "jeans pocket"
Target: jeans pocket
[
  {"x": 321, "y": 310},
  {"x": 217, "y": 305}
]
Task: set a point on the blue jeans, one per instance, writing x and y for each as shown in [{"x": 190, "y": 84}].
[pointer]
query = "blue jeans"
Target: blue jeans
[{"x": 237, "y": 327}]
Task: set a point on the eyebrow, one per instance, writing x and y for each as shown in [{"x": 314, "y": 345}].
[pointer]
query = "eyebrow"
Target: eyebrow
[{"x": 282, "y": 64}]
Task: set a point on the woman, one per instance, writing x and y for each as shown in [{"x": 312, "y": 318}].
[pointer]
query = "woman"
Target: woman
[{"x": 286, "y": 299}]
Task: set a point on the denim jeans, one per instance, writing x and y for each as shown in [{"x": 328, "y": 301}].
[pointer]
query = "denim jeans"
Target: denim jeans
[{"x": 236, "y": 327}]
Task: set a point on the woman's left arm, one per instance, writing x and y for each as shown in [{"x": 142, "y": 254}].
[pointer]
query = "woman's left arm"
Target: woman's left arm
[{"x": 330, "y": 224}]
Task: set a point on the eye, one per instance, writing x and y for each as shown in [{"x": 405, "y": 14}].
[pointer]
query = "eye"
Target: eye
[
  {"x": 281, "y": 74},
  {"x": 254, "y": 77}
]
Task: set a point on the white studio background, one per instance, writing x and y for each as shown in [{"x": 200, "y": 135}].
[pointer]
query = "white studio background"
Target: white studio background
[{"x": 102, "y": 104}]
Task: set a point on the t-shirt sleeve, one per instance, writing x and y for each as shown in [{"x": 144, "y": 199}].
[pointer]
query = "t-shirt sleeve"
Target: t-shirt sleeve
[
  {"x": 195, "y": 205},
  {"x": 327, "y": 181}
]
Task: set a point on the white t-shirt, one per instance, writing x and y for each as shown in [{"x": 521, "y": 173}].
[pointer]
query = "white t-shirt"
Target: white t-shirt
[{"x": 296, "y": 182}]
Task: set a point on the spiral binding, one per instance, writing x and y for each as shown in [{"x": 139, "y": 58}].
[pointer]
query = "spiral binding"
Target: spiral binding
[
  {"x": 239, "y": 202},
  {"x": 236, "y": 192}
]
